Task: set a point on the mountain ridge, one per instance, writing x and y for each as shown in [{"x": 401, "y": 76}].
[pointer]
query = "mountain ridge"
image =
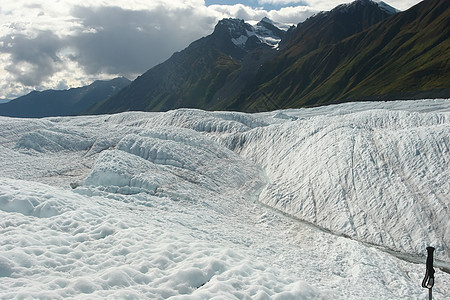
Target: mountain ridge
[
  {"x": 68, "y": 102},
  {"x": 233, "y": 69},
  {"x": 200, "y": 75},
  {"x": 364, "y": 50},
  {"x": 399, "y": 57}
]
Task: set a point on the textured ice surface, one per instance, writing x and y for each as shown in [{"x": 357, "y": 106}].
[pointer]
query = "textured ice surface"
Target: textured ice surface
[
  {"x": 178, "y": 204},
  {"x": 378, "y": 176}
]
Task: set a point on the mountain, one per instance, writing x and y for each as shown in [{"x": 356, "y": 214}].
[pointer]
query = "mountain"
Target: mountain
[
  {"x": 61, "y": 102},
  {"x": 215, "y": 70},
  {"x": 206, "y": 74},
  {"x": 330, "y": 27},
  {"x": 404, "y": 56},
  {"x": 364, "y": 50}
]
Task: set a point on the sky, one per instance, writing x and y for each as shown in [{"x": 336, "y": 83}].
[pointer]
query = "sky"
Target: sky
[{"x": 70, "y": 43}]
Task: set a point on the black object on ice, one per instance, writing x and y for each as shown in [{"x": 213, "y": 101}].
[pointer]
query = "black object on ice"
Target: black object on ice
[{"x": 428, "y": 281}]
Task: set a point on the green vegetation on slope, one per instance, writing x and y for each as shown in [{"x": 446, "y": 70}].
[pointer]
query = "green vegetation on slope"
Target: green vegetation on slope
[{"x": 405, "y": 54}]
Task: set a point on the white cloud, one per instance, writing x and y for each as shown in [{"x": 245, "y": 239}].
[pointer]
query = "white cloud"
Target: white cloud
[
  {"x": 239, "y": 11},
  {"x": 292, "y": 14},
  {"x": 40, "y": 41},
  {"x": 49, "y": 44}
]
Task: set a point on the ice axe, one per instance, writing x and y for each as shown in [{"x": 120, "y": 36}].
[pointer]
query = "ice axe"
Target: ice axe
[{"x": 428, "y": 281}]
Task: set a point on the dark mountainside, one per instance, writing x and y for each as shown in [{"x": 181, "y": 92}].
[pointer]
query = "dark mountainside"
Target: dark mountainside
[
  {"x": 403, "y": 57},
  {"x": 50, "y": 103},
  {"x": 205, "y": 75},
  {"x": 358, "y": 51}
]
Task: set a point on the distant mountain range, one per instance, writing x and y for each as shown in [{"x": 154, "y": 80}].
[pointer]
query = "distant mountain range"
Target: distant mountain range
[
  {"x": 364, "y": 50},
  {"x": 62, "y": 102}
]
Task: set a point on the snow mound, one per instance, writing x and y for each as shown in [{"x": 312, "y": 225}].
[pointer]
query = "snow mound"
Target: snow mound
[
  {"x": 377, "y": 176},
  {"x": 52, "y": 141},
  {"x": 127, "y": 173},
  {"x": 34, "y": 201},
  {"x": 59, "y": 151},
  {"x": 175, "y": 162}
]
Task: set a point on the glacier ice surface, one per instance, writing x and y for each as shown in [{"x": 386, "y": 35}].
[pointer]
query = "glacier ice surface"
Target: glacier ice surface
[{"x": 292, "y": 204}]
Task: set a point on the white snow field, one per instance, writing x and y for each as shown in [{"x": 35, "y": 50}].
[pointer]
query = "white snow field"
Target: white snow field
[{"x": 336, "y": 202}]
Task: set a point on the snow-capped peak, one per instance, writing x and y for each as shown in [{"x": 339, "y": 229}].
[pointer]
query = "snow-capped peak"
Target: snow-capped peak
[{"x": 264, "y": 32}]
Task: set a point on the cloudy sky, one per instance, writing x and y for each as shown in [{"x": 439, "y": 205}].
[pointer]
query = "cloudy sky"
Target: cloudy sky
[{"x": 60, "y": 44}]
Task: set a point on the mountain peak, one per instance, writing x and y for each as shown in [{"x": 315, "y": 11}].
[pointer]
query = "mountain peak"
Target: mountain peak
[
  {"x": 267, "y": 20},
  {"x": 387, "y": 8},
  {"x": 246, "y": 36},
  {"x": 340, "y": 55},
  {"x": 364, "y": 3},
  {"x": 234, "y": 27},
  {"x": 329, "y": 27}
]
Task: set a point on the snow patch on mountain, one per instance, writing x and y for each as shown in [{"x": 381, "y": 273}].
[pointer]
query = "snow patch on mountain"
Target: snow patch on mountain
[
  {"x": 266, "y": 31},
  {"x": 240, "y": 41}
]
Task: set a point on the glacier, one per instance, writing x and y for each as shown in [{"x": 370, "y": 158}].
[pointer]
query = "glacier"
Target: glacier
[{"x": 334, "y": 202}]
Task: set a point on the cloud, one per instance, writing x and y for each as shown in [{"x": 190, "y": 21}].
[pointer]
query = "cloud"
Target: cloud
[
  {"x": 93, "y": 42},
  {"x": 292, "y": 15},
  {"x": 238, "y": 11},
  {"x": 34, "y": 59},
  {"x": 123, "y": 41}
]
